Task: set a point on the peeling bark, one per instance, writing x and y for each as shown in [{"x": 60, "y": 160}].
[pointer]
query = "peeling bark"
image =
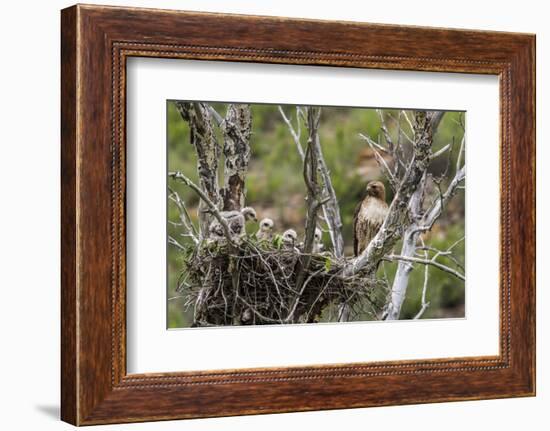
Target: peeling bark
[
  {"x": 237, "y": 128},
  {"x": 404, "y": 268}
]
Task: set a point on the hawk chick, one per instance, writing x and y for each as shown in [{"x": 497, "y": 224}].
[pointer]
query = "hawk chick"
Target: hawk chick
[
  {"x": 265, "y": 232},
  {"x": 317, "y": 244},
  {"x": 289, "y": 238},
  {"x": 236, "y": 221}
]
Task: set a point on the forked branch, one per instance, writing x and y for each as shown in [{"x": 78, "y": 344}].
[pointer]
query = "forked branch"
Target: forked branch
[
  {"x": 331, "y": 209},
  {"x": 211, "y": 206}
]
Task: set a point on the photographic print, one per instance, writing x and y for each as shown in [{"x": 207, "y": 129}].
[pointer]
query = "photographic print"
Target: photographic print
[
  {"x": 280, "y": 214},
  {"x": 237, "y": 206}
]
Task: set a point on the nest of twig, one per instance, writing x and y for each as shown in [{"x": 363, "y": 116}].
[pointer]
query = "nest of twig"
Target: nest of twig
[{"x": 257, "y": 283}]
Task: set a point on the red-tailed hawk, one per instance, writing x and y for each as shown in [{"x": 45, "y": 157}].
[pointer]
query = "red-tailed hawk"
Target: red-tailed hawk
[{"x": 369, "y": 216}]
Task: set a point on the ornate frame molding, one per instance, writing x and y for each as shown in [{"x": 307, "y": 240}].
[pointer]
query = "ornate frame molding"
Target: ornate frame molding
[{"x": 96, "y": 41}]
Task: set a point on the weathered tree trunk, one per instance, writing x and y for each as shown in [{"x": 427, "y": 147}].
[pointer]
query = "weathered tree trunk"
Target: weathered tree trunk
[
  {"x": 236, "y": 149},
  {"x": 423, "y": 141},
  {"x": 420, "y": 221},
  {"x": 311, "y": 178},
  {"x": 401, "y": 280},
  {"x": 203, "y": 138},
  {"x": 314, "y": 199}
]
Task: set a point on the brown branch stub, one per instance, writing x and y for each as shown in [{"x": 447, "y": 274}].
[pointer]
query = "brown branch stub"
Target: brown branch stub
[{"x": 237, "y": 128}]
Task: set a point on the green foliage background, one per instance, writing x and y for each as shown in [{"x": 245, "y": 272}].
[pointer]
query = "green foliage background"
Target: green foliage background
[{"x": 275, "y": 188}]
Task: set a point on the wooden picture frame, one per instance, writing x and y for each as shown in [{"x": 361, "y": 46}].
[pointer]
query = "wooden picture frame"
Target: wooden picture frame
[{"x": 96, "y": 41}]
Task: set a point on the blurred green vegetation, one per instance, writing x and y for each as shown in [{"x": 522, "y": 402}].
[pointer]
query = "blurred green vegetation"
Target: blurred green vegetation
[{"x": 275, "y": 188}]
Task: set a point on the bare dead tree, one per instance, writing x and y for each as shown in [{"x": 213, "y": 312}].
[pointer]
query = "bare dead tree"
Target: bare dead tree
[
  {"x": 331, "y": 209},
  {"x": 314, "y": 199},
  {"x": 203, "y": 139},
  {"x": 393, "y": 227},
  {"x": 418, "y": 220}
]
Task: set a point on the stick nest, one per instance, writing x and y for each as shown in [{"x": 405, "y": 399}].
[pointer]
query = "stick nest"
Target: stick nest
[{"x": 258, "y": 283}]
